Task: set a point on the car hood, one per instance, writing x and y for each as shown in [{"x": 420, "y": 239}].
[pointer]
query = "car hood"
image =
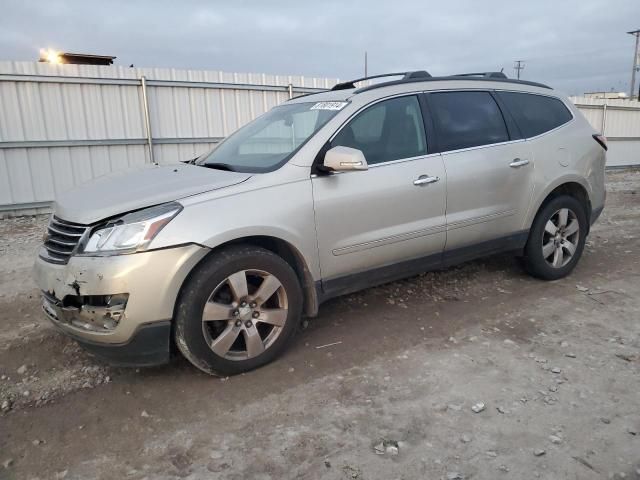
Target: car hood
[{"x": 143, "y": 187}]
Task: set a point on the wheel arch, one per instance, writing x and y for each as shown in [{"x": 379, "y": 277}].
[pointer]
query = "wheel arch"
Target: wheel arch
[
  {"x": 573, "y": 187},
  {"x": 284, "y": 250}
]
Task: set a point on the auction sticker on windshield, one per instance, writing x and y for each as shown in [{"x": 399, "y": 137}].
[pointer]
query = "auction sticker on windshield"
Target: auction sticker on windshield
[{"x": 329, "y": 106}]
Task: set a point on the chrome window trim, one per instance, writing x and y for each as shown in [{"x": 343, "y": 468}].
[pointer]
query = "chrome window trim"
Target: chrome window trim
[
  {"x": 478, "y": 147},
  {"x": 551, "y": 131},
  {"x": 403, "y": 160},
  {"x": 385, "y": 164}
]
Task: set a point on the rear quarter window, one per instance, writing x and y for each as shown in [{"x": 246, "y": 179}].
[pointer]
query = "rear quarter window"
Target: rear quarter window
[{"x": 535, "y": 114}]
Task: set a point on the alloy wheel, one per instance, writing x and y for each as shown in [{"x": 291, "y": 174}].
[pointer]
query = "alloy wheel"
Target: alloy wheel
[
  {"x": 245, "y": 314},
  {"x": 560, "y": 238}
]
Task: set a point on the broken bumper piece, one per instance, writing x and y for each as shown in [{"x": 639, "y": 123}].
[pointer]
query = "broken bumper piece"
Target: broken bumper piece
[
  {"x": 96, "y": 313},
  {"x": 114, "y": 306},
  {"x": 149, "y": 345}
]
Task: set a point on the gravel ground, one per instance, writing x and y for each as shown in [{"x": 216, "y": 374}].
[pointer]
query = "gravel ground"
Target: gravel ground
[{"x": 474, "y": 372}]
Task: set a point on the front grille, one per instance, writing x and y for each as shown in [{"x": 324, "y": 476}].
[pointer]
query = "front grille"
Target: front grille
[{"x": 62, "y": 239}]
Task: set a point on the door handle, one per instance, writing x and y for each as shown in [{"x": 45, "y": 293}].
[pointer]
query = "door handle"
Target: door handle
[
  {"x": 425, "y": 180},
  {"x": 517, "y": 163}
]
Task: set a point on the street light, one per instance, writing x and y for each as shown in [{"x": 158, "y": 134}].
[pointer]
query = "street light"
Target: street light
[{"x": 50, "y": 56}]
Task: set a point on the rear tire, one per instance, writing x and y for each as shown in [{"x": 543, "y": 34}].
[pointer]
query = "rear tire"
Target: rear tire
[
  {"x": 556, "y": 239},
  {"x": 238, "y": 311}
]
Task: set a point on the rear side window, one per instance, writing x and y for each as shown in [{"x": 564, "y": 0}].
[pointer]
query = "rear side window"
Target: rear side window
[
  {"x": 535, "y": 114},
  {"x": 388, "y": 130},
  {"x": 467, "y": 119}
]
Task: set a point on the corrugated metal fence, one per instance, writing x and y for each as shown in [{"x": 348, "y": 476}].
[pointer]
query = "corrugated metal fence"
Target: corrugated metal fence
[
  {"x": 619, "y": 121},
  {"x": 61, "y": 125}
]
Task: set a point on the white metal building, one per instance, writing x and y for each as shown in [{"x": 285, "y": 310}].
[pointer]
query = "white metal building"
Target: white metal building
[
  {"x": 619, "y": 121},
  {"x": 62, "y": 125}
]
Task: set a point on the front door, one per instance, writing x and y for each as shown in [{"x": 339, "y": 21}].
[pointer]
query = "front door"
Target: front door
[{"x": 371, "y": 221}]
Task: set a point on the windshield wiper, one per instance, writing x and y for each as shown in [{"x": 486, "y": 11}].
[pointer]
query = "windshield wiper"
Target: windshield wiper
[
  {"x": 219, "y": 166},
  {"x": 190, "y": 162}
]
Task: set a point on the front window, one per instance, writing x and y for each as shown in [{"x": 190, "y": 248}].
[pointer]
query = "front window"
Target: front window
[
  {"x": 386, "y": 131},
  {"x": 270, "y": 140}
]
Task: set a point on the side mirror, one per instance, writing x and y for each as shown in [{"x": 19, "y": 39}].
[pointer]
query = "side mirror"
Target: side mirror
[{"x": 344, "y": 159}]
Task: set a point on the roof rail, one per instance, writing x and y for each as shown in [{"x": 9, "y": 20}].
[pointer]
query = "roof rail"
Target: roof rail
[
  {"x": 405, "y": 76},
  {"x": 423, "y": 76},
  {"x": 482, "y": 74},
  {"x": 464, "y": 77}
]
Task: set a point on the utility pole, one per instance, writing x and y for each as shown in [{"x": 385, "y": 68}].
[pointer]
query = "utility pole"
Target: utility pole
[
  {"x": 518, "y": 66},
  {"x": 636, "y": 54},
  {"x": 365, "y": 63}
]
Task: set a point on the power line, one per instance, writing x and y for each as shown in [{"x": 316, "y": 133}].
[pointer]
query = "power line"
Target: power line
[{"x": 518, "y": 66}]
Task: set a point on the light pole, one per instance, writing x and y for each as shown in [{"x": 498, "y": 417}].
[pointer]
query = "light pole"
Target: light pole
[{"x": 635, "y": 33}]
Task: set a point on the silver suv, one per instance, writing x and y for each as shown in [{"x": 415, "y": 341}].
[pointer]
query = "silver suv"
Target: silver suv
[{"x": 324, "y": 195}]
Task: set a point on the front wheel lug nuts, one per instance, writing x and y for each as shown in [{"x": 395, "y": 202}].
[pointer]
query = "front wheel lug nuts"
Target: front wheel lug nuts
[
  {"x": 243, "y": 304},
  {"x": 256, "y": 314},
  {"x": 248, "y": 324},
  {"x": 238, "y": 323},
  {"x": 236, "y": 313},
  {"x": 253, "y": 305}
]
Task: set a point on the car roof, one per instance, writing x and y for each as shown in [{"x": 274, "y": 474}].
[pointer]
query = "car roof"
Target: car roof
[
  {"x": 422, "y": 81},
  {"x": 393, "y": 88}
]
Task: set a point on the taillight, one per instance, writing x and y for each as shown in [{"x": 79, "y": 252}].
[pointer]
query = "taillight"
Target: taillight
[{"x": 601, "y": 139}]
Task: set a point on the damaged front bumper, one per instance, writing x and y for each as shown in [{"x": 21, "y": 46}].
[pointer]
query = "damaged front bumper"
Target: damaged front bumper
[
  {"x": 119, "y": 307},
  {"x": 97, "y": 313}
]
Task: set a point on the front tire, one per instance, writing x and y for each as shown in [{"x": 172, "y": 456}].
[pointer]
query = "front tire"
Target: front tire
[
  {"x": 238, "y": 311},
  {"x": 556, "y": 239}
]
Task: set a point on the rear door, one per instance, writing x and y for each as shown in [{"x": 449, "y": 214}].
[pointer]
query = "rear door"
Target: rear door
[
  {"x": 489, "y": 170},
  {"x": 370, "y": 221}
]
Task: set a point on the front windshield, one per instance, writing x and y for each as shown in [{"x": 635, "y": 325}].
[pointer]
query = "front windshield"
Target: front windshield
[{"x": 271, "y": 139}]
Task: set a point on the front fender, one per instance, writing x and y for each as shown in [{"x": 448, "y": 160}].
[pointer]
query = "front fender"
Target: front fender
[{"x": 283, "y": 211}]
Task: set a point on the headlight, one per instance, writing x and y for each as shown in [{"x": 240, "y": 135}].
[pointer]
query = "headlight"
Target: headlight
[{"x": 132, "y": 232}]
